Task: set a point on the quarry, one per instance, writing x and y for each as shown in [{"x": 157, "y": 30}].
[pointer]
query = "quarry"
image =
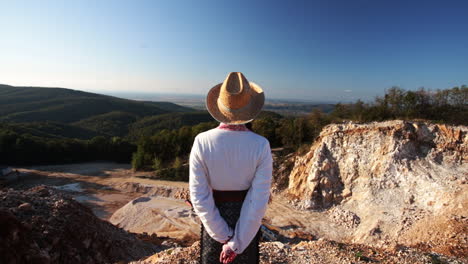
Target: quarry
[{"x": 385, "y": 192}]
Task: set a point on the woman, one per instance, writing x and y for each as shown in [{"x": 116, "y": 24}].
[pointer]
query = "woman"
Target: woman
[{"x": 230, "y": 174}]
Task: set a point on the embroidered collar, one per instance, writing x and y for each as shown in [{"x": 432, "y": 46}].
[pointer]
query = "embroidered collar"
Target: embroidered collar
[{"x": 233, "y": 127}]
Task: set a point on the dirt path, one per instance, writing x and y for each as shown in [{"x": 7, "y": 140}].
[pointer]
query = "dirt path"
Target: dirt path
[
  {"x": 293, "y": 222},
  {"x": 89, "y": 183}
]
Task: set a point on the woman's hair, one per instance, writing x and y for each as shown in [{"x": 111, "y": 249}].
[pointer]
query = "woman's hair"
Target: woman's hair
[{"x": 249, "y": 126}]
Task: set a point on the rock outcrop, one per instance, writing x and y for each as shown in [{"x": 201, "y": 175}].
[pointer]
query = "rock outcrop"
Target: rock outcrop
[
  {"x": 282, "y": 166},
  {"x": 391, "y": 182}
]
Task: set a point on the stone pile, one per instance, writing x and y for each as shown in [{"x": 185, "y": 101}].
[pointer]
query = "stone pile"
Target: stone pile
[
  {"x": 43, "y": 225},
  {"x": 164, "y": 216}
]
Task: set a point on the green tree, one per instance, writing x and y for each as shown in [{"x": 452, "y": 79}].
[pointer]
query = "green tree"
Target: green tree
[
  {"x": 266, "y": 127},
  {"x": 286, "y": 132},
  {"x": 157, "y": 164},
  {"x": 177, "y": 163},
  {"x": 358, "y": 111},
  {"x": 316, "y": 121}
]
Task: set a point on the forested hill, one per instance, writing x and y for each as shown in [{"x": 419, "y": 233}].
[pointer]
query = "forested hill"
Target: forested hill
[
  {"x": 33, "y": 104},
  {"x": 67, "y": 113},
  {"x": 56, "y": 125}
]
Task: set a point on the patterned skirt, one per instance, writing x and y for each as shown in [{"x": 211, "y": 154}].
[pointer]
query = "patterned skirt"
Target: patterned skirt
[{"x": 211, "y": 249}]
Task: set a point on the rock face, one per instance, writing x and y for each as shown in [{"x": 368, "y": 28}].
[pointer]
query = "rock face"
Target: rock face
[
  {"x": 41, "y": 225},
  {"x": 282, "y": 166},
  {"x": 389, "y": 181}
]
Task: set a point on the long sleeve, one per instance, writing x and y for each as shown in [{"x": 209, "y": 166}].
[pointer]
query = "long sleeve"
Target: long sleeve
[
  {"x": 201, "y": 195},
  {"x": 255, "y": 203}
]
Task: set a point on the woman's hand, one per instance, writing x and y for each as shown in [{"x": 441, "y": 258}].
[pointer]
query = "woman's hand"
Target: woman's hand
[{"x": 227, "y": 255}]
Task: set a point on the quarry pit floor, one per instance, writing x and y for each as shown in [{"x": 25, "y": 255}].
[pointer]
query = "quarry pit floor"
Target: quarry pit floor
[{"x": 93, "y": 184}]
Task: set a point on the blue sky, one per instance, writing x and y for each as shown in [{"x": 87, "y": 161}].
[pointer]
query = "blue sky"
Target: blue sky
[{"x": 314, "y": 50}]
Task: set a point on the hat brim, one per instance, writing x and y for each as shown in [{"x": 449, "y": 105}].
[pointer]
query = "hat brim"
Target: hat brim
[{"x": 239, "y": 116}]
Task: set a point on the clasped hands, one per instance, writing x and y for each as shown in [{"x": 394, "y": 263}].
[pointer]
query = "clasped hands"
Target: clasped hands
[{"x": 227, "y": 254}]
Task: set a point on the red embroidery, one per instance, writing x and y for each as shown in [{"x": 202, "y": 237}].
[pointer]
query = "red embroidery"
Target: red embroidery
[{"x": 233, "y": 127}]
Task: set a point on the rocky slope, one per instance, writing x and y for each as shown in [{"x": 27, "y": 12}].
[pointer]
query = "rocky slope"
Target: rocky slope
[
  {"x": 41, "y": 225},
  {"x": 389, "y": 183}
]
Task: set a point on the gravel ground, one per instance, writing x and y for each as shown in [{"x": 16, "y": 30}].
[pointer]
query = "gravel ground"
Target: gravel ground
[{"x": 313, "y": 252}]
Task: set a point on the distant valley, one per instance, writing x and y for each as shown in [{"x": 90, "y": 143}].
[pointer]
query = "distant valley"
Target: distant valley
[{"x": 286, "y": 107}]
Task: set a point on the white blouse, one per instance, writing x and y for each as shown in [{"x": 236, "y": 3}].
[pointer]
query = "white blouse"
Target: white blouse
[{"x": 229, "y": 161}]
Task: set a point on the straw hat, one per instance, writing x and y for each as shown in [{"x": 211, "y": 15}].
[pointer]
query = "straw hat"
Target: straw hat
[{"x": 235, "y": 101}]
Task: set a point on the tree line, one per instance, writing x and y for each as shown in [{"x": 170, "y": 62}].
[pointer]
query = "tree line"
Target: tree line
[
  {"x": 25, "y": 149},
  {"x": 442, "y": 106}
]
